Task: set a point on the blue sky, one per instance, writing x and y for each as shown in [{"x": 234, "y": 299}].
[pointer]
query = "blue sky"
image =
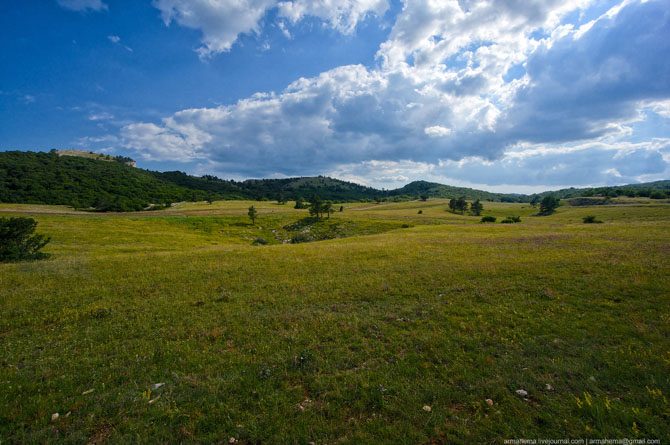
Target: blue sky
[{"x": 507, "y": 95}]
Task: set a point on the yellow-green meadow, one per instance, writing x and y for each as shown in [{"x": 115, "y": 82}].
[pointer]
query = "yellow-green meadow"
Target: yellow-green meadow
[{"x": 386, "y": 326}]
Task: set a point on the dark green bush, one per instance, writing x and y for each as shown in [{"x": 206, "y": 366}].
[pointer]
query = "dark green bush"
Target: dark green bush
[
  {"x": 488, "y": 219},
  {"x": 590, "y": 219},
  {"x": 511, "y": 220},
  {"x": 260, "y": 242},
  {"x": 18, "y": 240}
]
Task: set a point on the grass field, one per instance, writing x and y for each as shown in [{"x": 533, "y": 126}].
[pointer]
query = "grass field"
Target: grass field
[{"x": 170, "y": 326}]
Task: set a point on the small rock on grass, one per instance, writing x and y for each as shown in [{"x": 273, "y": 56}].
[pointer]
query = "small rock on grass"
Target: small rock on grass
[
  {"x": 489, "y": 402},
  {"x": 427, "y": 408},
  {"x": 522, "y": 392},
  {"x": 548, "y": 387},
  {"x": 54, "y": 417}
]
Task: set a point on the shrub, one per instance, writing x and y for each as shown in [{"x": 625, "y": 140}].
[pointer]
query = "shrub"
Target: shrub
[
  {"x": 260, "y": 242},
  {"x": 301, "y": 238},
  {"x": 488, "y": 219},
  {"x": 548, "y": 205},
  {"x": 405, "y": 226},
  {"x": 511, "y": 220},
  {"x": 18, "y": 241},
  {"x": 590, "y": 219},
  {"x": 420, "y": 212}
]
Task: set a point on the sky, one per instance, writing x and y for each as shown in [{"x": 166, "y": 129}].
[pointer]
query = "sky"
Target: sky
[{"x": 503, "y": 95}]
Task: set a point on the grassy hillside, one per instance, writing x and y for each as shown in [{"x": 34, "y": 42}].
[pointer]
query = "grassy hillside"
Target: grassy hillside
[{"x": 171, "y": 326}]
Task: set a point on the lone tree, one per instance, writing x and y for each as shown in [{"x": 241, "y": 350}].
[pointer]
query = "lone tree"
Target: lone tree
[
  {"x": 252, "y": 214},
  {"x": 328, "y": 208},
  {"x": 18, "y": 241},
  {"x": 423, "y": 197},
  {"x": 299, "y": 204},
  {"x": 548, "y": 205},
  {"x": 534, "y": 200},
  {"x": 476, "y": 208}
]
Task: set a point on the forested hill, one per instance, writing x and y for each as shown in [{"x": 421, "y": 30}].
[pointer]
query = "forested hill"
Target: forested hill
[
  {"x": 435, "y": 190},
  {"x": 113, "y": 184}
]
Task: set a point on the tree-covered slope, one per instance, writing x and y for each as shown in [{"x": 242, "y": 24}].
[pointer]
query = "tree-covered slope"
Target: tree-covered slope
[
  {"x": 436, "y": 190},
  {"x": 46, "y": 178}
]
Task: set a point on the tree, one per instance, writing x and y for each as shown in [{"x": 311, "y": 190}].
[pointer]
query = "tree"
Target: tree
[
  {"x": 548, "y": 205},
  {"x": 252, "y": 214},
  {"x": 423, "y": 197},
  {"x": 299, "y": 203},
  {"x": 535, "y": 200},
  {"x": 341, "y": 208},
  {"x": 280, "y": 199},
  {"x": 210, "y": 199},
  {"x": 18, "y": 241},
  {"x": 476, "y": 208},
  {"x": 316, "y": 207},
  {"x": 328, "y": 208}
]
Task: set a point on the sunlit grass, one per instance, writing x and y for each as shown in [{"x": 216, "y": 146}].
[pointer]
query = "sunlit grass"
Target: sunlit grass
[{"x": 343, "y": 340}]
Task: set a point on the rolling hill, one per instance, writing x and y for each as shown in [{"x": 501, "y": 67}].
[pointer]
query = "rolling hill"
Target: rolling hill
[{"x": 105, "y": 183}]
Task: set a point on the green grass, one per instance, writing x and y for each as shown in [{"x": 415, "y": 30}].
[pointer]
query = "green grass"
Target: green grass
[{"x": 343, "y": 340}]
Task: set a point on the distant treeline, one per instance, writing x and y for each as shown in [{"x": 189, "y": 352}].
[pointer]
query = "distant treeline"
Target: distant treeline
[{"x": 85, "y": 183}]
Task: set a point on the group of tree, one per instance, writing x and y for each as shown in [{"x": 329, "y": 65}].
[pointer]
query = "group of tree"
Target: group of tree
[
  {"x": 461, "y": 205},
  {"x": 318, "y": 207},
  {"x": 458, "y": 205}
]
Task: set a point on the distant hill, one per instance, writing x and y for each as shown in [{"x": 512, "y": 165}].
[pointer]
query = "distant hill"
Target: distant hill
[
  {"x": 435, "y": 190},
  {"x": 656, "y": 189},
  {"x": 88, "y": 180},
  {"x": 81, "y": 182}
]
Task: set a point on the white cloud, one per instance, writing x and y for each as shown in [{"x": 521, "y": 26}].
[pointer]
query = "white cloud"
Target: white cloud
[
  {"x": 437, "y": 131},
  {"x": 343, "y": 15},
  {"x": 102, "y": 116},
  {"x": 223, "y": 21},
  {"x": 114, "y": 39},
  {"x": 83, "y": 5},
  {"x": 443, "y": 102}
]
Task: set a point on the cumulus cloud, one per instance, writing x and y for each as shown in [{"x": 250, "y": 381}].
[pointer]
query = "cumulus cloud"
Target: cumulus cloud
[
  {"x": 462, "y": 88},
  {"x": 223, "y": 21},
  {"x": 83, "y": 5},
  {"x": 342, "y": 15}
]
